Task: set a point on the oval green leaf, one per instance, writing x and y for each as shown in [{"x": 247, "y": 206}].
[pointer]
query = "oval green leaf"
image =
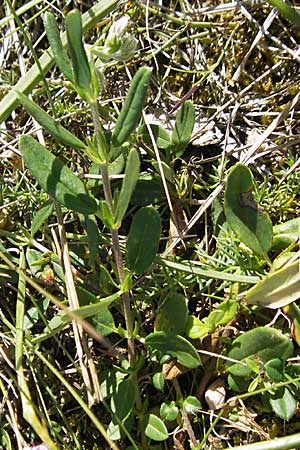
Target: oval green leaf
[
  {"x": 283, "y": 403},
  {"x": 260, "y": 344},
  {"x": 133, "y": 105},
  {"x": 176, "y": 346},
  {"x": 247, "y": 220},
  {"x": 56, "y": 178},
  {"x": 172, "y": 314},
  {"x": 278, "y": 289},
  {"x": 81, "y": 68},
  {"x": 155, "y": 428},
  {"x": 58, "y": 50},
  {"x": 143, "y": 239}
]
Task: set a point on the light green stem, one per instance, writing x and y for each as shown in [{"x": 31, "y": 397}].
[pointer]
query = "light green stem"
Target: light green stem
[{"x": 114, "y": 233}]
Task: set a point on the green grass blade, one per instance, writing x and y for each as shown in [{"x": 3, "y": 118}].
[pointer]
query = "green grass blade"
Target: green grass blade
[
  {"x": 190, "y": 267},
  {"x": 29, "y": 412},
  {"x": 79, "y": 400},
  {"x": 287, "y": 11},
  {"x": 33, "y": 76}
]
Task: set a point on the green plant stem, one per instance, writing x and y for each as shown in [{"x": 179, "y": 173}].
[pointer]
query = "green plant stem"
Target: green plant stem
[
  {"x": 212, "y": 426},
  {"x": 114, "y": 233}
]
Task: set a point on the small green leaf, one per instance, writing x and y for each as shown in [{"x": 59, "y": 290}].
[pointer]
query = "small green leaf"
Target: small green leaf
[
  {"x": 191, "y": 405},
  {"x": 278, "y": 289},
  {"x": 161, "y": 136},
  {"x": 158, "y": 381},
  {"x": 223, "y": 314},
  {"x": 92, "y": 230},
  {"x": 176, "y": 346},
  {"x": 185, "y": 121},
  {"x": 274, "y": 369},
  {"x": 247, "y": 220},
  {"x": 155, "y": 428},
  {"x": 83, "y": 80},
  {"x": 58, "y": 50},
  {"x": 143, "y": 239},
  {"x": 106, "y": 215},
  {"x": 41, "y": 216},
  {"x": 48, "y": 123},
  {"x": 195, "y": 328},
  {"x": 172, "y": 314},
  {"x": 132, "y": 172},
  {"x": 285, "y": 234},
  {"x": 56, "y": 178},
  {"x": 132, "y": 108},
  {"x": 168, "y": 411},
  {"x": 283, "y": 403}
]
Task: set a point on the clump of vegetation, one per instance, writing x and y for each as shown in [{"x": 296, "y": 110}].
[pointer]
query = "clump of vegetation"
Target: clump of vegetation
[{"x": 149, "y": 226}]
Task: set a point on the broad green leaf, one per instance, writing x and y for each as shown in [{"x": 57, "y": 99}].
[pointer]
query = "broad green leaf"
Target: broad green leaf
[
  {"x": 104, "y": 323},
  {"x": 283, "y": 403},
  {"x": 176, "y": 346},
  {"x": 184, "y": 125},
  {"x": 286, "y": 234},
  {"x": 48, "y": 123},
  {"x": 123, "y": 399},
  {"x": 132, "y": 172},
  {"x": 244, "y": 216},
  {"x": 172, "y": 314},
  {"x": 132, "y": 108},
  {"x": 195, "y": 328},
  {"x": 56, "y": 178},
  {"x": 143, "y": 239},
  {"x": 261, "y": 344},
  {"x": 155, "y": 428},
  {"x": 287, "y": 11},
  {"x": 148, "y": 192},
  {"x": 161, "y": 136},
  {"x": 57, "y": 47},
  {"x": 81, "y": 68},
  {"x": 278, "y": 289},
  {"x": 41, "y": 216}
]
